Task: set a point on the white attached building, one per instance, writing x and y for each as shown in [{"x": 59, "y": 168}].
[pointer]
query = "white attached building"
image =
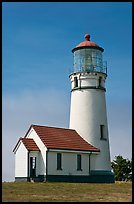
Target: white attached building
[
  {"x": 80, "y": 153},
  {"x": 54, "y": 154}
]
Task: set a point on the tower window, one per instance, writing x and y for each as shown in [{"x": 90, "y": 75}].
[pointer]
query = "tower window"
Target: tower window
[
  {"x": 59, "y": 162},
  {"x": 102, "y": 137},
  {"x": 79, "y": 162},
  {"x": 100, "y": 79},
  {"x": 75, "y": 82}
]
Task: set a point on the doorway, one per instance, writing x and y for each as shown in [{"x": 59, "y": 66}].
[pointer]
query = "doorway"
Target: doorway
[{"x": 32, "y": 167}]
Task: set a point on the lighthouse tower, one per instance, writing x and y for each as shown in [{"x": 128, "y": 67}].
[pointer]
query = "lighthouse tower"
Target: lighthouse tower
[{"x": 88, "y": 114}]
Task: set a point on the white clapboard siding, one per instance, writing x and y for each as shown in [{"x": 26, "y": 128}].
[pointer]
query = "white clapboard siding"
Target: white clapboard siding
[
  {"x": 21, "y": 163},
  {"x": 69, "y": 164}
]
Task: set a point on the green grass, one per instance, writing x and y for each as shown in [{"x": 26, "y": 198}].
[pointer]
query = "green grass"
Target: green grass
[{"x": 62, "y": 192}]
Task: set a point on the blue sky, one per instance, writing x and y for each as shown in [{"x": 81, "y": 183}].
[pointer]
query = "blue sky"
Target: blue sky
[{"x": 37, "y": 39}]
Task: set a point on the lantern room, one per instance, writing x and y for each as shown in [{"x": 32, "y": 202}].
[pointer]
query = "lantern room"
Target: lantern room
[{"x": 88, "y": 57}]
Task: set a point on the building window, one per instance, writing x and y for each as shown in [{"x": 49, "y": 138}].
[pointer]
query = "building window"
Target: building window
[
  {"x": 102, "y": 136},
  {"x": 59, "y": 162},
  {"x": 89, "y": 163},
  {"x": 75, "y": 82},
  {"x": 79, "y": 162}
]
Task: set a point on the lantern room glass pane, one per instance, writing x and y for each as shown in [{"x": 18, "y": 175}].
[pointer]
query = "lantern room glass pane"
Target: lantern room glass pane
[{"x": 88, "y": 60}]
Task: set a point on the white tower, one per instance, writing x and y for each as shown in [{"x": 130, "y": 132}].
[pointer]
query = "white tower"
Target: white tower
[{"x": 88, "y": 114}]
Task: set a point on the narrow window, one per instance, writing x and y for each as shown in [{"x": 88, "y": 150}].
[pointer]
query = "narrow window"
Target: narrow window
[
  {"x": 89, "y": 162},
  {"x": 101, "y": 131},
  {"x": 59, "y": 161},
  {"x": 100, "y": 79},
  {"x": 79, "y": 162},
  {"x": 102, "y": 137},
  {"x": 75, "y": 82}
]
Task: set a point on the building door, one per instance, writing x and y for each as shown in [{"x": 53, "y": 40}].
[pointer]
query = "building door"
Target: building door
[{"x": 32, "y": 167}]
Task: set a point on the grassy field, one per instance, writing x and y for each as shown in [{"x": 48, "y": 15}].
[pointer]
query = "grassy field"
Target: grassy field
[{"x": 62, "y": 192}]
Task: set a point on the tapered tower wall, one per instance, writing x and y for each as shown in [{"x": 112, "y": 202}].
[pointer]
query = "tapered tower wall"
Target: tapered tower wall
[{"x": 88, "y": 114}]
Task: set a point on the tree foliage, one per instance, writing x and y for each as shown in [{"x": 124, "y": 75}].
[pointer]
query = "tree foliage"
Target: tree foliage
[{"x": 122, "y": 168}]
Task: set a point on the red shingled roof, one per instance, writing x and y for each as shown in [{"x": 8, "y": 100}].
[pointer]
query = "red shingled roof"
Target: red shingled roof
[
  {"x": 61, "y": 138},
  {"x": 30, "y": 144}
]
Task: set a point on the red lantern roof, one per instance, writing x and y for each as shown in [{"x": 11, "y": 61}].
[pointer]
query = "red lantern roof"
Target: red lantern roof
[{"x": 87, "y": 43}]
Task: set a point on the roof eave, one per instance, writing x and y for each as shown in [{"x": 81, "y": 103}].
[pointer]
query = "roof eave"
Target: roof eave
[
  {"x": 31, "y": 150},
  {"x": 87, "y": 47},
  {"x": 73, "y": 150},
  {"x": 16, "y": 146}
]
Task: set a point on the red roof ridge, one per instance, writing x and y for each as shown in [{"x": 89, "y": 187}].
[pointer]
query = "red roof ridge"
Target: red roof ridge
[{"x": 52, "y": 127}]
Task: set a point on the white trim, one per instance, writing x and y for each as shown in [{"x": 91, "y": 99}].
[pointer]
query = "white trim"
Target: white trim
[
  {"x": 29, "y": 132},
  {"x": 17, "y": 147},
  {"x": 74, "y": 151}
]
